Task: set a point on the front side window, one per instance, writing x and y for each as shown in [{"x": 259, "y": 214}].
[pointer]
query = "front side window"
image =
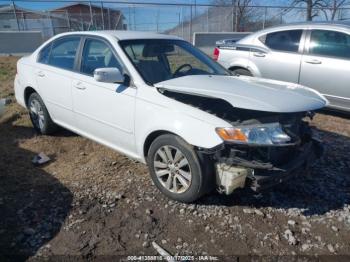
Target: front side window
[
  {"x": 287, "y": 41},
  {"x": 330, "y": 43},
  {"x": 97, "y": 54},
  {"x": 44, "y": 54},
  {"x": 164, "y": 59},
  {"x": 63, "y": 52}
]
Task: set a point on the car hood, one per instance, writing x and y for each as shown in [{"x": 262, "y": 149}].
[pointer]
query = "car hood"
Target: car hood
[{"x": 249, "y": 92}]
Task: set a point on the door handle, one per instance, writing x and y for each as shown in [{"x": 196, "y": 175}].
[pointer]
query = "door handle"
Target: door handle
[
  {"x": 313, "y": 61},
  {"x": 79, "y": 86},
  {"x": 40, "y": 74},
  {"x": 259, "y": 54}
]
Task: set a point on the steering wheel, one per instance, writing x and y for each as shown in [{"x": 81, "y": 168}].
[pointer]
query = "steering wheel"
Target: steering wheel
[{"x": 182, "y": 67}]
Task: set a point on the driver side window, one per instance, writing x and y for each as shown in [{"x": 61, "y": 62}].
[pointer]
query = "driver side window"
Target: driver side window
[{"x": 97, "y": 54}]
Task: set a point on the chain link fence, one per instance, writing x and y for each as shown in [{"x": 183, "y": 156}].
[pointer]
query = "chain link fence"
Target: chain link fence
[{"x": 53, "y": 17}]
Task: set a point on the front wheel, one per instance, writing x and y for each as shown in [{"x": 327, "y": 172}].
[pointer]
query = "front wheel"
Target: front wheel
[{"x": 176, "y": 169}]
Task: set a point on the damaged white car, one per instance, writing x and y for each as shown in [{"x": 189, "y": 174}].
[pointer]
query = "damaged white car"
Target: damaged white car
[{"x": 158, "y": 99}]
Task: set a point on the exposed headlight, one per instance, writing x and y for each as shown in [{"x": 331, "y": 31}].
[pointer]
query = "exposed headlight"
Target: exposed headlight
[{"x": 264, "y": 134}]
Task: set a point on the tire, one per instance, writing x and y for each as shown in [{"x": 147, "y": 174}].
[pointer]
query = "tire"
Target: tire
[
  {"x": 162, "y": 169},
  {"x": 241, "y": 71},
  {"x": 39, "y": 115}
]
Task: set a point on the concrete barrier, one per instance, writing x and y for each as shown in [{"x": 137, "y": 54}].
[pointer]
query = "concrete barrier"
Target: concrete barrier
[{"x": 21, "y": 42}]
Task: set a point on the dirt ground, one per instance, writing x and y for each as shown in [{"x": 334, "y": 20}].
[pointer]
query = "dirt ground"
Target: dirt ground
[{"x": 90, "y": 202}]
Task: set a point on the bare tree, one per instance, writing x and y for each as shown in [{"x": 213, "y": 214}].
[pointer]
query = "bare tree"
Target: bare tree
[
  {"x": 242, "y": 10},
  {"x": 312, "y": 7},
  {"x": 334, "y": 7}
]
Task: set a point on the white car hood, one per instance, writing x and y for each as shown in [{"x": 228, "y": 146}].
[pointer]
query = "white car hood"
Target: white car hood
[{"x": 249, "y": 92}]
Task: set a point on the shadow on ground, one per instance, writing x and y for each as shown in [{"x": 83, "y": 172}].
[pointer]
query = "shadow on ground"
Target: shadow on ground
[
  {"x": 33, "y": 203},
  {"x": 327, "y": 189}
]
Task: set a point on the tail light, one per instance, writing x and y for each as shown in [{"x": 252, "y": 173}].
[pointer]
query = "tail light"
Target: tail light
[{"x": 216, "y": 53}]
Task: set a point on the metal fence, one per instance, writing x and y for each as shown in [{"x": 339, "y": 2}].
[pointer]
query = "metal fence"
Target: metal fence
[{"x": 54, "y": 17}]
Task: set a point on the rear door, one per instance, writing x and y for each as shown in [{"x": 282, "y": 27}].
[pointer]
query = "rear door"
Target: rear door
[
  {"x": 103, "y": 111},
  {"x": 56, "y": 63},
  {"x": 282, "y": 62},
  {"x": 326, "y": 65}
]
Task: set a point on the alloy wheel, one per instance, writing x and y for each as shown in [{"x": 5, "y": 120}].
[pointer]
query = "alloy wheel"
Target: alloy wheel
[
  {"x": 172, "y": 169},
  {"x": 37, "y": 114}
]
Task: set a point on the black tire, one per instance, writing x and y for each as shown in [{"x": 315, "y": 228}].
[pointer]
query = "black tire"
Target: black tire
[
  {"x": 242, "y": 72},
  {"x": 46, "y": 126},
  {"x": 202, "y": 179}
]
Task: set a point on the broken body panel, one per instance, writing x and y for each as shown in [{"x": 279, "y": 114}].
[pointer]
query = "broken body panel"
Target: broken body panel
[{"x": 245, "y": 101}]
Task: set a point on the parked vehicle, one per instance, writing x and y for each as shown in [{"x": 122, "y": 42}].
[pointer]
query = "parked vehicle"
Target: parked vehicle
[
  {"x": 316, "y": 55},
  {"x": 158, "y": 99}
]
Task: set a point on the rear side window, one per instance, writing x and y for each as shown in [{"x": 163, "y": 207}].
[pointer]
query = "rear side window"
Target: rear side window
[
  {"x": 97, "y": 54},
  {"x": 44, "y": 54},
  {"x": 287, "y": 41},
  {"x": 63, "y": 52},
  {"x": 330, "y": 43}
]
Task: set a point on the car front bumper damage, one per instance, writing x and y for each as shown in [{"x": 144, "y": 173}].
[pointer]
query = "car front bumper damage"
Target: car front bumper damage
[{"x": 235, "y": 171}]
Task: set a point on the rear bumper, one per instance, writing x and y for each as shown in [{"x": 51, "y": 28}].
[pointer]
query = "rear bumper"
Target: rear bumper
[{"x": 266, "y": 178}]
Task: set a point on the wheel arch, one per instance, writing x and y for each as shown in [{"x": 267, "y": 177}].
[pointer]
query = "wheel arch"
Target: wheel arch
[
  {"x": 238, "y": 67},
  {"x": 151, "y": 137},
  {"x": 27, "y": 92}
]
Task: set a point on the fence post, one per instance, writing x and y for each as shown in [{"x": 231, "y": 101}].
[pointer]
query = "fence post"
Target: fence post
[
  {"x": 157, "y": 20},
  {"x": 51, "y": 24},
  {"x": 265, "y": 16},
  {"x": 182, "y": 22},
  {"x": 233, "y": 18},
  {"x": 91, "y": 18},
  {"x": 15, "y": 13},
  {"x": 208, "y": 19},
  {"x": 102, "y": 17},
  {"x": 191, "y": 24},
  {"x": 236, "y": 17},
  {"x": 24, "y": 22},
  {"x": 109, "y": 18},
  {"x": 68, "y": 21}
]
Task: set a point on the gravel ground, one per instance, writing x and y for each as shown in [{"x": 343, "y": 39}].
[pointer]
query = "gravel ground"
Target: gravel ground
[{"x": 90, "y": 202}]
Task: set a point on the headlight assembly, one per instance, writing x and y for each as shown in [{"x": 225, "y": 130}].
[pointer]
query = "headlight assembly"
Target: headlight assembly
[{"x": 262, "y": 134}]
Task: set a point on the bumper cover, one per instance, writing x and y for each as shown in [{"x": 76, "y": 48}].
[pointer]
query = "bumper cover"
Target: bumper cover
[{"x": 266, "y": 176}]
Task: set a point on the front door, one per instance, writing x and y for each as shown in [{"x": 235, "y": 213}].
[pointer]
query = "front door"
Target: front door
[{"x": 103, "y": 111}]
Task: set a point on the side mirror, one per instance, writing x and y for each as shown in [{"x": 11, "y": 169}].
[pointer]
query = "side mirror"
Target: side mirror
[{"x": 108, "y": 75}]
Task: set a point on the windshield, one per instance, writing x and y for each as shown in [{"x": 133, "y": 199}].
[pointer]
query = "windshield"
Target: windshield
[{"x": 158, "y": 60}]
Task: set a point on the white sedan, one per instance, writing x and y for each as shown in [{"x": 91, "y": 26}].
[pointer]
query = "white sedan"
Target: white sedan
[{"x": 158, "y": 99}]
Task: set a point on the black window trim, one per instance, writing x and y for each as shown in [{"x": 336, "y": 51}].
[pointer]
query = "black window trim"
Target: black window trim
[
  {"x": 52, "y": 43},
  {"x": 301, "y": 47},
  {"x": 308, "y": 41},
  {"x": 102, "y": 39}
]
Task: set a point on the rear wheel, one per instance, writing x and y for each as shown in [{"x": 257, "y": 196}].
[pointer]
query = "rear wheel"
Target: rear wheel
[
  {"x": 176, "y": 169},
  {"x": 241, "y": 71},
  {"x": 39, "y": 115}
]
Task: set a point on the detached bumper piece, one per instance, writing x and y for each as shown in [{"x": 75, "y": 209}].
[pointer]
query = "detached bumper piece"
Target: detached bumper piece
[{"x": 238, "y": 170}]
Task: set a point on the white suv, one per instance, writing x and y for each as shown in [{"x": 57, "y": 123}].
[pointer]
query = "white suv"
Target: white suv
[{"x": 159, "y": 100}]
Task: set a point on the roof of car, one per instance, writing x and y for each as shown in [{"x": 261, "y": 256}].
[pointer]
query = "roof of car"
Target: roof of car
[
  {"x": 318, "y": 24},
  {"x": 124, "y": 35}
]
